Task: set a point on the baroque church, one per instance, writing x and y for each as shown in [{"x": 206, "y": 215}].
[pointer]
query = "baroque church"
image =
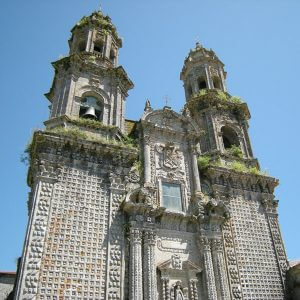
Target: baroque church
[{"x": 171, "y": 207}]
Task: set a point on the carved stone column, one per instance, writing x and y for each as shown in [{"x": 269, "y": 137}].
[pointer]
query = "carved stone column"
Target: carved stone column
[
  {"x": 147, "y": 163},
  {"x": 209, "y": 269},
  {"x": 165, "y": 288},
  {"x": 136, "y": 269},
  {"x": 193, "y": 289},
  {"x": 150, "y": 287},
  {"x": 196, "y": 176},
  {"x": 220, "y": 269}
]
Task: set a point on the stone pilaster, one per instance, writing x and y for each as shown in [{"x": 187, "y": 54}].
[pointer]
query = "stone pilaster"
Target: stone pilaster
[
  {"x": 147, "y": 163},
  {"x": 150, "y": 283},
  {"x": 220, "y": 269},
  {"x": 136, "y": 270},
  {"x": 196, "y": 177},
  {"x": 165, "y": 288},
  {"x": 208, "y": 268},
  {"x": 193, "y": 289},
  {"x": 233, "y": 268},
  {"x": 270, "y": 205},
  {"x": 28, "y": 282}
]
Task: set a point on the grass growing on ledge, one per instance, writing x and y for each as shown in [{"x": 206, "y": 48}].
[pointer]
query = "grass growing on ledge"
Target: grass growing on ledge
[
  {"x": 79, "y": 134},
  {"x": 205, "y": 161},
  {"x": 222, "y": 96},
  {"x": 235, "y": 151},
  {"x": 241, "y": 167},
  {"x": 93, "y": 124}
]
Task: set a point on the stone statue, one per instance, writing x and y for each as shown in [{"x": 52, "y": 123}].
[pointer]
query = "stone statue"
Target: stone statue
[{"x": 178, "y": 293}]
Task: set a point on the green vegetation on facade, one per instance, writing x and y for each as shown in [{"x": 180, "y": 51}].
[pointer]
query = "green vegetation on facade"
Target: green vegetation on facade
[
  {"x": 77, "y": 133},
  {"x": 92, "y": 124},
  {"x": 220, "y": 96},
  {"x": 206, "y": 161},
  {"x": 235, "y": 151},
  {"x": 102, "y": 21}
]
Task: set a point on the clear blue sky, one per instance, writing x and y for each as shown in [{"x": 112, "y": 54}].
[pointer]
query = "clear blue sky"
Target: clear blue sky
[{"x": 257, "y": 40}]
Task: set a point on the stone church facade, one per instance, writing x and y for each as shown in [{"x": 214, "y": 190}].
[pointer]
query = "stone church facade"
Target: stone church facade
[{"x": 171, "y": 207}]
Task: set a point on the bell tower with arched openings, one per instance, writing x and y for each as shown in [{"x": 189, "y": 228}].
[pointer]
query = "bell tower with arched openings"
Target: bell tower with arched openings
[
  {"x": 88, "y": 83},
  {"x": 223, "y": 118},
  {"x": 231, "y": 175}
]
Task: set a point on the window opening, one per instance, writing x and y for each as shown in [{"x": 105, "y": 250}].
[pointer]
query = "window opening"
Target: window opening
[{"x": 171, "y": 196}]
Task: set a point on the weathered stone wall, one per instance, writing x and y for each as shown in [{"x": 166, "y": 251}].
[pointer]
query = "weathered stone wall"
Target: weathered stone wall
[
  {"x": 6, "y": 284},
  {"x": 75, "y": 245}
]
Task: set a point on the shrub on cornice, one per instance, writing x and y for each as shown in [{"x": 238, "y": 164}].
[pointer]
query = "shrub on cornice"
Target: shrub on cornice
[
  {"x": 25, "y": 156},
  {"x": 222, "y": 96},
  {"x": 235, "y": 151},
  {"x": 241, "y": 167},
  {"x": 202, "y": 92},
  {"x": 204, "y": 162},
  {"x": 236, "y": 100}
]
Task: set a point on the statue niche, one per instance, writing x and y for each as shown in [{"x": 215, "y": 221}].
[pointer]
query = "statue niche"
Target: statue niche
[{"x": 178, "y": 278}]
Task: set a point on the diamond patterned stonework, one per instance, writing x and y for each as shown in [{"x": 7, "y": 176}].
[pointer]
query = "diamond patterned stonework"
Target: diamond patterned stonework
[{"x": 170, "y": 207}]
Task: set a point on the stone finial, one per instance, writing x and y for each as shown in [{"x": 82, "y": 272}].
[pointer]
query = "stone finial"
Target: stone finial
[{"x": 147, "y": 106}]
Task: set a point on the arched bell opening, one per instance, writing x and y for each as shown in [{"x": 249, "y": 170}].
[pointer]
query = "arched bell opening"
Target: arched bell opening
[
  {"x": 202, "y": 83},
  {"x": 229, "y": 137},
  {"x": 91, "y": 108},
  {"x": 98, "y": 47}
]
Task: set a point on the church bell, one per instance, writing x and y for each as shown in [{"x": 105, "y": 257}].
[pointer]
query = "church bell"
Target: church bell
[{"x": 90, "y": 113}]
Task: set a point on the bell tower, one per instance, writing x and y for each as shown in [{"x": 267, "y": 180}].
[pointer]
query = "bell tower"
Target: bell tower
[
  {"x": 88, "y": 83},
  {"x": 233, "y": 184},
  {"x": 202, "y": 70},
  {"x": 222, "y": 118}
]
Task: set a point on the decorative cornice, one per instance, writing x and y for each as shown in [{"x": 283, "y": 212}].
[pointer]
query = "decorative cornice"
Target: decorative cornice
[
  {"x": 216, "y": 173},
  {"x": 211, "y": 101}
]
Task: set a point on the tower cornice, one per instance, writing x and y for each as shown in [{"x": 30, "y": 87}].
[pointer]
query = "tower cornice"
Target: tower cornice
[{"x": 77, "y": 63}]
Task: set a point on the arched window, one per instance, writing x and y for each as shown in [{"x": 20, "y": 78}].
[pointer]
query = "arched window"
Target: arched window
[
  {"x": 217, "y": 83},
  {"x": 98, "y": 46},
  {"x": 202, "y": 83},
  {"x": 230, "y": 137},
  {"x": 82, "y": 46},
  {"x": 91, "y": 108}
]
